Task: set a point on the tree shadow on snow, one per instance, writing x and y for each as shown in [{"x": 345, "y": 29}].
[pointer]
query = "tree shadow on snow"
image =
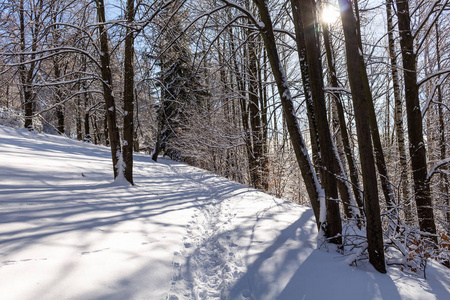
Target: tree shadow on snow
[{"x": 308, "y": 273}]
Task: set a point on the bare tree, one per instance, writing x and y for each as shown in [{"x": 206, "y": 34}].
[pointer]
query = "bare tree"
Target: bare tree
[
  {"x": 417, "y": 149},
  {"x": 398, "y": 113},
  {"x": 315, "y": 191},
  {"x": 105, "y": 60},
  {"x": 355, "y": 67},
  {"x": 128, "y": 93}
]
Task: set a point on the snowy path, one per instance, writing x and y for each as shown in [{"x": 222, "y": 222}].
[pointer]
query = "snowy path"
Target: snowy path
[
  {"x": 67, "y": 232},
  {"x": 207, "y": 264}
]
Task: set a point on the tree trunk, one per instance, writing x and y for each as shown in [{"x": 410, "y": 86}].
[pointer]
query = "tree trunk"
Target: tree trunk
[
  {"x": 263, "y": 76},
  {"x": 398, "y": 114},
  {"x": 353, "y": 170},
  {"x": 244, "y": 112},
  {"x": 375, "y": 133},
  {"x": 315, "y": 191},
  {"x": 87, "y": 135},
  {"x": 128, "y": 95},
  {"x": 329, "y": 169},
  {"x": 417, "y": 149},
  {"x": 78, "y": 119},
  {"x": 255, "y": 118},
  {"x": 24, "y": 73},
  {"x": 113, "y": 130},
  {"x": 355, "y": 66},
  {"x": 301, "y": 50},
  {"x": 60, "y": 117},
  {"x": 59, "y": 96},
  {"x": 442, "y": 141}
]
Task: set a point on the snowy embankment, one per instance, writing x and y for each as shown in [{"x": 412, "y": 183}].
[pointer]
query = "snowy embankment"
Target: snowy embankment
[{"x": 67, "y": 232}]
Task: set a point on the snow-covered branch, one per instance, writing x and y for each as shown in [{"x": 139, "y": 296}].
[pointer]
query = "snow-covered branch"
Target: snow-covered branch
[
  {"x": 252, "y": 18},
  {"x": 431, "y": 76},
  {"x": 56, "y": 51},
  {"x": 431, "y": 95},
  {"x": 436, "y": 167},
  {"x": 67, "y": 99}
]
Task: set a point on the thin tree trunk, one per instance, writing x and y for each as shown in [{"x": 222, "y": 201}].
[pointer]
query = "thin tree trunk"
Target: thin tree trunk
[
  {"x": 78, "y": 119},
  {"x": 244, "y": 112},
  {"x": 128, "y": 95},
  {"x": 301, "y": 50},
  {"x": 59, "y": 107},
  {"x": 315, "y": 191},
  {"x": 375, "y": 133},
  {"x": 265, "y": 124},
  {"x": 355, "y": 66},
  {"x": 398, "y": 114},
  {"x": 330, "y": 168},
  {"x": 342, "y": 124},
  {"x": 442, "y": 141},
  {"x": 87, "y": 134},
  {"x": 60, "y": 117},
  {"x": 417, "y": 149},
  {"x": 113, "y": 130},
  {"x": 157, "y": 147},
  {"x": 24, "y": 73},
  {"x": 255, "y": 118}
]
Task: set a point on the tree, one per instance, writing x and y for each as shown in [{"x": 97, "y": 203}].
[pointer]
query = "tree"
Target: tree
[
  {"x": 330, "y": 167},
  {"x": 417, "y": 149},
  {"x": 398, "y": 115},
  {"x": 105, "y": 60},
  {"x": 181, "y": 93},
  {"x": 355, "y": 67},
  {"x": 128, "y": 94},
  {"x": 315, "y": 191},
  {"x": 28, "y": 52},
  {"x": 338, "y": 110}
]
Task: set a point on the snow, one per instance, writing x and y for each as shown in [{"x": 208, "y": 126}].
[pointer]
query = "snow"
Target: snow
[
  {"x": 436, "y": 166},
  {"x": 68, "y": 232}
]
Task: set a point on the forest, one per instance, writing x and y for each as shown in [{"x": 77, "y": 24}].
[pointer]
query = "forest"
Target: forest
[{"x": 342, "y": 105}]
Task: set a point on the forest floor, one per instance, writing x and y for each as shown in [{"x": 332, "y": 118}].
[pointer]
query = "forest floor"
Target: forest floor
[{"x": 68, "y": 232}]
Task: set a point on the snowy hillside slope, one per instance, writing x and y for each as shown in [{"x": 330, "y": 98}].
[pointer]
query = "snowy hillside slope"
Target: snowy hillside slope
[{"x": 68, "y": 232}]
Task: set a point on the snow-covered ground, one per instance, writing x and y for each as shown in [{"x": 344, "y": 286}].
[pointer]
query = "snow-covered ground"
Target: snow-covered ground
[{"x": 68, "y": 232}]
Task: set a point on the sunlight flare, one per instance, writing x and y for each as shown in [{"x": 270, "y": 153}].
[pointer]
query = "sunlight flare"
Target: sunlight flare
[{"x": 330, "y": 14}]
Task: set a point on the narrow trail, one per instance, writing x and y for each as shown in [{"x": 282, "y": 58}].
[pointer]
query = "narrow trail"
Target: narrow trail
[{"x": 207, "y": 264}]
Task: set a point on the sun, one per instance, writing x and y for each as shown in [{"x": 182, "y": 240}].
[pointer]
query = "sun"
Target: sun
[{"x": 329, "y": 14}]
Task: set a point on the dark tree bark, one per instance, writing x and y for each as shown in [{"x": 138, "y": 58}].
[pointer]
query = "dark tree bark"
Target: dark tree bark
[
  {"x": 376, "y": 140},
  {"x": 417, "y": 149},
  {"x": 255, "y": 117},
  {"x": 355, "y": 66},
  {"x": 27, "y": 73},
  {"x": 263, "y": 106},
  {"x": 157, "y": 147},
  {"x": 60, "y": 117},
  {"x": 128, "y": 94},
  {"x": 353, "y": 170},
  {"x": 105, "y": 60},
  {"x": 59, "y": 98},
  {"x": 87, "y": 129},
  {"x": 313, "y": 187},
  {"x": 301, "y": 50},
  {"x": 442, "y": 140},
  {"x": 304, "y": 13},
  {"x": 78, "y": 120},
  {"x": 398, "y": 114}
]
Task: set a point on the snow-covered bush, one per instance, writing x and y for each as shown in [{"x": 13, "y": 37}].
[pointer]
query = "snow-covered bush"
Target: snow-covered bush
[{"x": 11, "y": 118}]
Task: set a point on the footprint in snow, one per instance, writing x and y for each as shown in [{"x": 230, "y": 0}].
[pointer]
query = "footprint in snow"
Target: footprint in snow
[{"x": 94, "y": 251}]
